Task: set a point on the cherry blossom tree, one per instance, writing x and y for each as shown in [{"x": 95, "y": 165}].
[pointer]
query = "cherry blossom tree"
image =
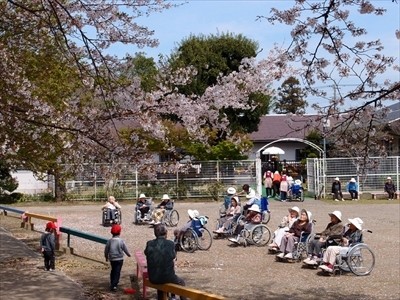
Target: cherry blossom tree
[
  {"x": 64, "y": 100},
  {"x": 333, "y": 50}
]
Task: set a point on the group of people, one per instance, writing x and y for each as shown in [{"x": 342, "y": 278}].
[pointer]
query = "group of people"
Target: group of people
[
  {"x": 144, "y": 205},
  {"x": 352, "y": 188},
  {"x": 279, "y": 186},
  {"x": 334, "y": 239}
]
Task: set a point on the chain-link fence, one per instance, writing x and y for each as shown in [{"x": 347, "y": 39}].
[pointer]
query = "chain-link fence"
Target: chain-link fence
[
  {"x": 211, "y": 178},
  {"x": 191, "y": 180},
  {"x": 370, "y": 173}
]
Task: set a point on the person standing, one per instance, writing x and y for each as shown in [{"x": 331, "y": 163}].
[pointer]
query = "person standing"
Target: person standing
[
  {"x": 390, "y": 188},
  {"x": 48, "y": 246},
  {"x": 284, "y": 188},
  {"x": 276, "y": 183},
  {"x": 268, "y": 183},
  {"x": 114, "y": 252},
  {"x": 160, "y": 254},
  {"x": 352, "y": 188},
  {"x": 337, "y": 189}
]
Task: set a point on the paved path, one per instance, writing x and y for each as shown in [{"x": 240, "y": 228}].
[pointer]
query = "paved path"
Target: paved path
[{"x": 22, "y": 275}]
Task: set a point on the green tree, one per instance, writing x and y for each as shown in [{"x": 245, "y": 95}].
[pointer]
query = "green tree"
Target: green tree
[
  {"x": 143, "y": 67},
  {"x": 7, "y": 182},
  {"x": 290, "y": 98}
]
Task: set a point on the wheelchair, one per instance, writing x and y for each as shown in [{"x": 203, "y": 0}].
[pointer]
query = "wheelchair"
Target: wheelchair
[
  {"x": 107, "y": 219},
  {"x": 197, "y": 237},
  {"x": 296, "y": 193},
  {"x": 232, "y": 226},
  {"x": 256, "y": 234},
  {"x": 359, "y": 259},
  {"x": 171, "y": 217},
  {"x": 137, "y": 216},
  {"x": 300, "y": 249}
]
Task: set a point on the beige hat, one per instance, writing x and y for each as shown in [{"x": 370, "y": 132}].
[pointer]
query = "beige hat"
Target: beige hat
[
  {"x": 231, "y": 190},
  {"x": 294, "y": 208},
  {"x": 142, "y": 196},
  {"x": 389, "y": 178},
  {"x": 337, "y": 214},
  {"x": 255, "y": 207},
  {"x": 236, "y": 198},
  {"x": 357, "y": 222},
  {"x": 309, "y": 214},
  {"x": 193, "y": 214},
  {"x": 165, "y": 197}
]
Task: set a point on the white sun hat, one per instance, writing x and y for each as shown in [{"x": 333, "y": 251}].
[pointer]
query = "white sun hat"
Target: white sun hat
[
  {"x": 337, "y": 178},
  {"x": 142, "y": 196},
  {"x": 337, "y": 214},
  {"x": 231, "y": 191},
  {"x": 352, "y": 180},
  {"x": 255, "y": 207},
  {"x": 165, "y": 197},
  {"x": 193, "y": 213},
  {"x": 357, "y": 222},
  {"x": 294, "y": 208}
]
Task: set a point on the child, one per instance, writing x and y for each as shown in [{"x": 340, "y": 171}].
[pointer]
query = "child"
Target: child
[
  {"x": 114, "y": 252},
  {"x": 48, "y": 245}
]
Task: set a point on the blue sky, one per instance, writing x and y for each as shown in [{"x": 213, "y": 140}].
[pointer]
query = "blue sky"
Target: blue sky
[{"x": 239, "y": 17}]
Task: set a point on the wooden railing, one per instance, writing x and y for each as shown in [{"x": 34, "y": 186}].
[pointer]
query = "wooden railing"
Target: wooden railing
[{"x": 169, "y": 288}]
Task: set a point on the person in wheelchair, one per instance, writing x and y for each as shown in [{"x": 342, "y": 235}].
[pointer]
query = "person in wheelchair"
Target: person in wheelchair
[
  {"x": 353, "y": 235},
  {"x": 230, "y": 192},
  {"x": 252, "y": 218},
  {"x": 333, "y": 229},
  {"x": 233, "y": 213},
  {"x": 143, "y": 206},
  {"x": 296, "y": 189},
  {"x": 303, "y": 224},
  {"x": 193, "y": 215},
  {"x": 158, "y": 214},
  {"x": 111, "y": 207},
  {"x": 284, "y": 226}
]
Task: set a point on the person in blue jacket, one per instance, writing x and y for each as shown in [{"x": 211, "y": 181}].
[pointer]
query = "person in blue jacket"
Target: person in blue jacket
[{"x": 352, "y": 188}]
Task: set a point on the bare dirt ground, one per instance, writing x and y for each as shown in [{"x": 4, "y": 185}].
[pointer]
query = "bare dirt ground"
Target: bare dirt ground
[{"x": 235, "y": 272}]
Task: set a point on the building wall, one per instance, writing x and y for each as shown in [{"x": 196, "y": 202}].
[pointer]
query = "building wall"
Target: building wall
[
  {"x": 288, "y": 147},
  {"x": 28, "y": 183}
]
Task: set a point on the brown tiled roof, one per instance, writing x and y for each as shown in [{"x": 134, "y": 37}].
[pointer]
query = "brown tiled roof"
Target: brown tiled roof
[{"x": 273, "y": 127}]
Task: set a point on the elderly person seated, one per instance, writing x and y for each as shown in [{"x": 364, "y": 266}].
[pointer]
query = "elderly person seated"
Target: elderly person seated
[
  {"x": 111, "y": 206},
  {"x": 352, "y": 236},
  {"x": 252, "y": 218},
  {"x": 232, "y": 214},
  {"x": 143, "y": 205},
  {"x": 329, "y": 237},
  {"x": 193, "y": 215},
  {"x": 303, "y": 224},
  {"x": 284, "y": 226},
  {"x": 158, "y": 213}
]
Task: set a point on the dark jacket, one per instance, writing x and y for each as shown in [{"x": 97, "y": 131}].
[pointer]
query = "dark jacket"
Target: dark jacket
[
  {"x": 336, "y": 186},
  {"x": 160, "y": 254},
  {"x": 297, "y": 229}
]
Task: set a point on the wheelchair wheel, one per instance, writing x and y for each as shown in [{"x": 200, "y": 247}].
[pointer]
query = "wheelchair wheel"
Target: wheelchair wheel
[
  {"x": 173, "y": 218},
  {"x": 260, "y": 235},
  {"x": 361, "y": 260},
  {"x": 118, "y": 217},
  {"x": 188, "y": 241},
  {"x": 204, "y": 241},
  {"x": 302, "y": 196},
  {"x": 104, "y": 218},
  {"x": 266, "y": 216}
]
